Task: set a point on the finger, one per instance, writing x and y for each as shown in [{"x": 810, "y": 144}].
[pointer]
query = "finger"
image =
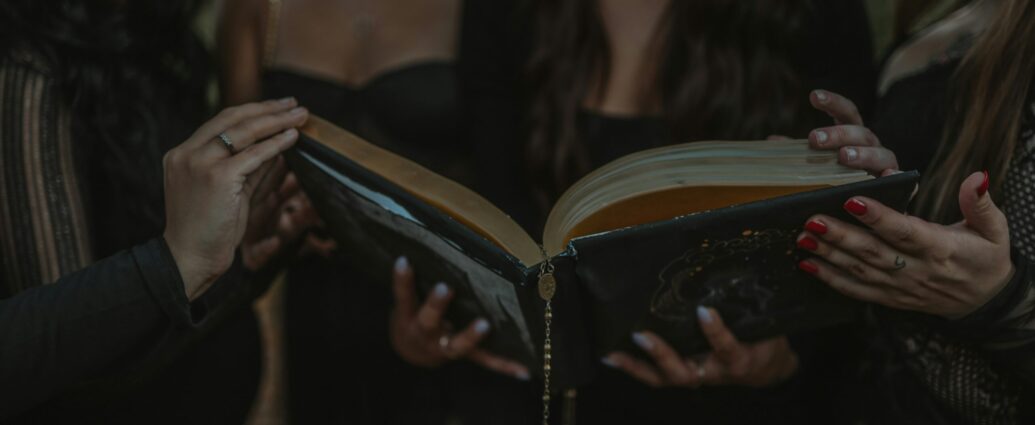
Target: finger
[
  {"x": 980, "y": 212},
  {"x": 253, "y": 130},
  {"x": 498, "y": 364},
  {"x": 267, "y": 181},
  {"x": 725, "y": 345},
  {"x": 842, "y": 135},
  {"x": 851, "y": 248},
  {"x": 910, "y": 235},
  {"x": 290, "y": 186},
  {"x": 842, "y": 110},
  {"x": 844, "y": 283},
  {"x": 262, "y": 217},
  {"x": 864, "y": 272},
  {"x": 874, "y": 159},
  {"x": 711, "y": 371},
  {"x": 249, "y": 160},
  {"x": 462, "y": 343},
  {"x": 429, "y": 317},
  {"x": 260, "y": 254},
  {"x": 322, "y": 247},
  {"x": 230, "y": 117},
  {"x": 305, "y": 215},
  {"x": 638, "y": 369},
  {"x": 668, "y": 360},
  {"x": 403, "y": 289}
]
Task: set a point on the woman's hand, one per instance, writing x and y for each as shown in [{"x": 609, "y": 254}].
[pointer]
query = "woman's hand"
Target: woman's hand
[
  {"x": 421, "y": 337},
  {"x": 279, "y": 220},
  {"x": 729, "y": 363},
  {"x": 858, "y": 147},
  {"x": 911, "y": 264},
  {"x": 209, "y": 192}
]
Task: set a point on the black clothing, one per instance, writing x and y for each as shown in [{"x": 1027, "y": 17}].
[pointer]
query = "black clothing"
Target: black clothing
[
  {"x": 909, "y": 118},
  {"x": 86, "y": 339},
  {"x": 977, "y": 369},
  {"x": 834, "y": 53},
  {"x": 341, "y": 367},
  {"x": 411, "y": 110}
]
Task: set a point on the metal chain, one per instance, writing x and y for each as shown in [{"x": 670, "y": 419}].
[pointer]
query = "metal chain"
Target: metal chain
[
  {"x": 548, "y": 316},
  {"x": 547, "y": 287}
]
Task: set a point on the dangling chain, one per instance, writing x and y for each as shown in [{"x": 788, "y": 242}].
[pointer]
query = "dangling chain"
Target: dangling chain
[{"x": 547, "y": 288}]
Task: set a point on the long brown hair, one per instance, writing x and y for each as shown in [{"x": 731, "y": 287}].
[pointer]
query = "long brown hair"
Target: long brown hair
[
  {"x": 723, "y": 71},
  {"x": 993, "y": 86}
]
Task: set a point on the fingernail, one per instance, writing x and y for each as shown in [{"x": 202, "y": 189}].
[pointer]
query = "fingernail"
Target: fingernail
[
  {"x": 298, "y": 110},
  {"x": 481, "y": 326},
  {"x": 522, "y": 375},
  {"x": 855, "y": 206},
  {"x": 609, "y": 362},
  {"x": 643, "y": 341},
  {"x": 821, "y": 96},
  {"x": 808, "y": 267},
  {"x": 983, "y": 189},
  {"x": 402, "y": 264},
  {"x": 703, "y": 314},
  {"x": 816, "y": 226},
  {"x": 851, "y": 153},
  {"x": 821, "y": 137},
  {"x": 286, "y": 100},
  {"x": 807, "y": 243},
  {"x": 291, "y": 132},
  {"x": 441, "y": 290}
]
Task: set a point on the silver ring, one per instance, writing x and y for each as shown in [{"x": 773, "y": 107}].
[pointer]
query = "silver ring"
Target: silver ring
[{"x": 227, "y": 143}]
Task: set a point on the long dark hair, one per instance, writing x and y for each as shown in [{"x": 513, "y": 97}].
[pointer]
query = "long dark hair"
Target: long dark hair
[
  {"x": 126, "y": 69},
  {"x": 991, "y": 88},
  {"x": 723, "y": 71}
]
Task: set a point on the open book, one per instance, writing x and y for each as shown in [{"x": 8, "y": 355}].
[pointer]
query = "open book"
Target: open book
[{"x": 637, "y": 244}]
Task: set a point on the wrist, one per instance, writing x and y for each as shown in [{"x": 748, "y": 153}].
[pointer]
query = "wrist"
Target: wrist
[{"x": 194, "y": 273}]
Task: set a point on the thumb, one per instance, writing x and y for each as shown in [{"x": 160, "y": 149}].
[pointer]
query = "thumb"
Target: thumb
[
  {"x": 980, "y": 214},
  {"x": 260, "y": 253}
]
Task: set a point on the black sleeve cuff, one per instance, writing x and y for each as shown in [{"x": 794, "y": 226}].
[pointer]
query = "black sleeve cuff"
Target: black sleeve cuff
[
  {"x": 981, "y": 324},
  {"x": 162, "y": 278}
]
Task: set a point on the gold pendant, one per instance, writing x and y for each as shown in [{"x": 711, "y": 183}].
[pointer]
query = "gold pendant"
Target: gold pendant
[{"x": 547, "y": 286}]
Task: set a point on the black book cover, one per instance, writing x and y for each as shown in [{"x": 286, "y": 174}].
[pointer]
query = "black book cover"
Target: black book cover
[{"x": 740, "y": 260}]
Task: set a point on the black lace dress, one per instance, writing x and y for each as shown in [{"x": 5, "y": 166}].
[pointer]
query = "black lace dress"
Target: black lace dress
[{"x": 980, "y": 369}]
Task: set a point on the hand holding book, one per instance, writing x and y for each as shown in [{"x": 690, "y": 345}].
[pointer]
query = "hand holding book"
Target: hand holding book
[
  {"x": 769, "y": 361},
  {"x": 857, "y": 146},
  {"x": 635, "y": 246},
  {"x": 731, "y": 362},
  {"x": 421, "y": 337},
  {"x": 907, "y": 263}
]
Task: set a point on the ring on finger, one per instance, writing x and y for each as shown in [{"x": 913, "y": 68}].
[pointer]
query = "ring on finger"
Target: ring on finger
[{"x": 227, "y": 143}]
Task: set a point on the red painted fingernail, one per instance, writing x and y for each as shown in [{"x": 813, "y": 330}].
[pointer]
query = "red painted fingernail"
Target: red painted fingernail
[
  {"x": 983, "y": 189},
  {"x": 855, "y": 206},
  {"x": 807, "y": 243},
  {"x": 816, "y": 227},
  {"x": 808, "y": 267}
]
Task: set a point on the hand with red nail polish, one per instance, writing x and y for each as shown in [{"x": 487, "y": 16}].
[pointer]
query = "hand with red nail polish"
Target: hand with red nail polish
[
  {"x": 857, "y": 146},
  {"x": 907, "y": 263}
]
